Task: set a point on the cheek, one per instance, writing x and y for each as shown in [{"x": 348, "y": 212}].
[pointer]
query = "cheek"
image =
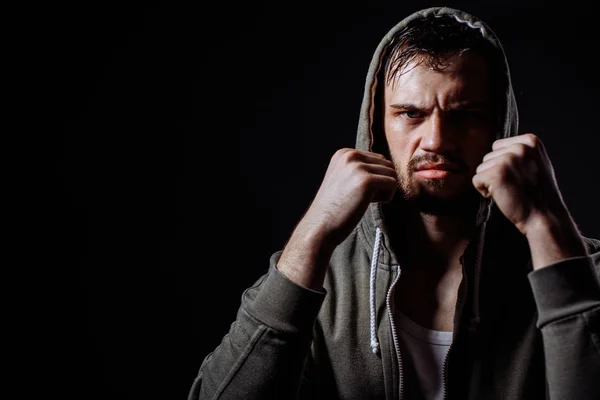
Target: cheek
[
  {"x": 401, "y": 144},
  {"x": 476, "y": 151},
  {"x": 399, "y": 148}
]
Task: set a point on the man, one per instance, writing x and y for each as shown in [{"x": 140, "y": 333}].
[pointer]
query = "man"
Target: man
[{"x": 437, "y": 260}]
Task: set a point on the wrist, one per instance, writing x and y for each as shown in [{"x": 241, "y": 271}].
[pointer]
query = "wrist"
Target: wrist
[
  {"x": 541, "y": 224},
  {"x": 305, "y": 258},
  {"x": 553, "y": 238},
  {"x": 312, "y": 240}
]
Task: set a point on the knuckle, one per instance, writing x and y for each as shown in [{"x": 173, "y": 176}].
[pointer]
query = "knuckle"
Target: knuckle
[
  {"x": 502, "y": 173},
  {"x": 522, "y": 149},
  {"x": 340, "y": 153},
  {"x": 533, "y": 140},
  {"x": 512, "y": 158},
  {"x": 363, "y": 184},
  {"x": 365, "y": 178},
  {"x": 351, "y": 155}
]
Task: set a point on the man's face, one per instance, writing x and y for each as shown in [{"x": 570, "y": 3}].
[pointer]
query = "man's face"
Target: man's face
[{"x": 438, "y": 126}]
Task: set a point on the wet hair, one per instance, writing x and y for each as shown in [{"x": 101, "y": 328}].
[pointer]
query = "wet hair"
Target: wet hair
[{"x": 434, "y": 41}]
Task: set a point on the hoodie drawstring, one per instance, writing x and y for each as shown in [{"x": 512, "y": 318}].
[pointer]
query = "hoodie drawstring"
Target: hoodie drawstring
[
  {"x": 374, "y": 261},
  {"x": 477, "y": 276}
]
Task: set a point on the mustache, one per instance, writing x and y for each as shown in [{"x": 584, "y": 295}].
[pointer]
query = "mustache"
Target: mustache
[{"x": 437, "y": 158}]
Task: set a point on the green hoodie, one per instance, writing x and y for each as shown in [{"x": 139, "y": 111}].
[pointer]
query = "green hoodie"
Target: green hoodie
[{"x": 518, "y": 333}]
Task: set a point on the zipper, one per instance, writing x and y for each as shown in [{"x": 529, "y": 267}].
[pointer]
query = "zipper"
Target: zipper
[
  {"x": 459, "y": 307},
  {"x": 395, "y": 335}
]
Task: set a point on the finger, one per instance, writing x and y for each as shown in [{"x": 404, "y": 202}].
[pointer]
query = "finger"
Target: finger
[
  {"x": 378, "y": 169},
  {"x": 493, "y": 154},
  {"x": 489, "y": 164},
  {"x": 372, "y": 153},
  {"x": 515, "y": 148},
  {"x": 481, "y": 183},
  {"x": 376, "y": 158},
  {"x": 528, "y": 139}
]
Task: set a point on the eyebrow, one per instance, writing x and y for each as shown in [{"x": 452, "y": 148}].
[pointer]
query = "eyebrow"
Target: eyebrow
[
  {"x": 463, "y": 105},
  {"x": 406, "y": 106}
]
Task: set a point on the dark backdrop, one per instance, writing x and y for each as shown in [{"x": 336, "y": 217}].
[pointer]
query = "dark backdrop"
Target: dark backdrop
[{"x": 186, "y": 142}]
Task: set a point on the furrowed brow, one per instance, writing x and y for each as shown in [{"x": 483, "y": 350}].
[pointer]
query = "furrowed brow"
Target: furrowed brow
[
  {"x": 406, "y": 106},
  {"x": 470, "y": 105}
]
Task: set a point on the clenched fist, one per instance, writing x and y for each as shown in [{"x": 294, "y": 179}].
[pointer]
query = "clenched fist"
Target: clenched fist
[
  {"x": 353, "y": 180},
  {"x": 518, "y": 175}
]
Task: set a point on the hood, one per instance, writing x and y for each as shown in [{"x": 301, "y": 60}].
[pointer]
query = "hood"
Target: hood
[
  {"x": 370, "y": 137},
  {"x": 366, "y": 136}
]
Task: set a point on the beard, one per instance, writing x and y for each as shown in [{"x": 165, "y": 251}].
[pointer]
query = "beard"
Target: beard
[{"x": 452, "y": 196}]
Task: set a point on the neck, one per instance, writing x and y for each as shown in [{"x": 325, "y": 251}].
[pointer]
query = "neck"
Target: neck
[{"x": 430, "y": 240}]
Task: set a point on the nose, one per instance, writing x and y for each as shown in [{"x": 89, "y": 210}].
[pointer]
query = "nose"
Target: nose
[{"x": 438, "y": 135}]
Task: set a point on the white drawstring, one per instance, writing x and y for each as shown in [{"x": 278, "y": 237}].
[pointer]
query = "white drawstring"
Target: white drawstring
[
  {"x": 372, "y": 283},
  {"x": 374, "y": 261}
]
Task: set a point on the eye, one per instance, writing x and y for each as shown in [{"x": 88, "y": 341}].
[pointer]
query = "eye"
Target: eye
[{"x": 411, "y": 114}]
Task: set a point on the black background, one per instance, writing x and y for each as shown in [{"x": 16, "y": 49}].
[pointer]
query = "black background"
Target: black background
[{"x": 184, "y": 142}]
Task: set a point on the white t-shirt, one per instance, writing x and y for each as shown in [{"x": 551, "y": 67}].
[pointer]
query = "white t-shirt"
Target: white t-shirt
[{"x": 427, "y": 349}]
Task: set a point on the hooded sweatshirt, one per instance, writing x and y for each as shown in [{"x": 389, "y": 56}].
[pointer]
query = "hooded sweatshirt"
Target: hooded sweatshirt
[{"x": 518, "y": 333}]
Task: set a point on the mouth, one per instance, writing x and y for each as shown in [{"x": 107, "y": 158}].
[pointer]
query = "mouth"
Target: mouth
[{"x": 437, "y": 170}]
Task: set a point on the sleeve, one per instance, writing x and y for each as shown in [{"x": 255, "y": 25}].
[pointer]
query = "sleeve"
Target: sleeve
[
  {"x": 567, "y": 296},
  {"x": 264, "y": 353}
]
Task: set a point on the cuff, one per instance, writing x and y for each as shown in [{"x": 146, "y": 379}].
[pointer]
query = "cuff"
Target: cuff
[
  {"x": 284, "y": 305},
  {"x": 565, "y": 288}
]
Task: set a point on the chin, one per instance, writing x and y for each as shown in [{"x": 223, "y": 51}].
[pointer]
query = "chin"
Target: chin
[
  {"x": 444, "y": 200},
  {"x": 444, "y": 189},
  {"x": 446, "y": 206}
]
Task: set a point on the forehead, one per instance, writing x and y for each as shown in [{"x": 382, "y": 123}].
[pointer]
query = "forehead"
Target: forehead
[{"x": 463, "y": 77}]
